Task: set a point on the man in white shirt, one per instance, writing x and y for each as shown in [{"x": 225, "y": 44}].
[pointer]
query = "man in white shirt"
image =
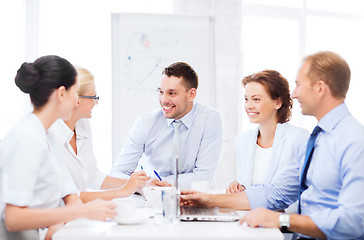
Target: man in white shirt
[{"x": 153, "y": 134}]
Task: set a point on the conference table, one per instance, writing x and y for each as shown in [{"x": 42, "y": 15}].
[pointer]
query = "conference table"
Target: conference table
[{"x": 147, "y": 229}]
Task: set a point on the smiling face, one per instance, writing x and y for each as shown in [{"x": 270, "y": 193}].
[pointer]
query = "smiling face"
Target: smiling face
[
  {"x": 304, "y": 91},
  {"x": 259, "y": 106},
  {"x": 175, "y": 99}
]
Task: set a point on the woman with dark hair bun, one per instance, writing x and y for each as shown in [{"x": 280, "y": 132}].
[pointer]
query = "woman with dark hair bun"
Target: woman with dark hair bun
[
  {"x": 42, "y": 77},
  {"x": 34, "y": 182}
]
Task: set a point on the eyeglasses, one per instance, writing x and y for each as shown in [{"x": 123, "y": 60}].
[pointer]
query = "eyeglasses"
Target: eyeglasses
[{"x": 96, "y": 98}]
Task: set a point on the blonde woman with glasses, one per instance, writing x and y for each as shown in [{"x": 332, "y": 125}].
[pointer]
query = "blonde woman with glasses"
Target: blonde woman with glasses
[{"x": 75, "y": 146}]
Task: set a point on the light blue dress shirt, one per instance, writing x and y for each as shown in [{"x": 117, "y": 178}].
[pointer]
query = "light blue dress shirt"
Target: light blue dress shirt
[
  {"x": 152, "y": 135},
  {"x": 335, "y": 178}
]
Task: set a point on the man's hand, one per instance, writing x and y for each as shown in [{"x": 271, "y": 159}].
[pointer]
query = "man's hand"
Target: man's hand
[
  {"x": 194, "y": 198},
  {"x": 235, "y": 187},
  {"x": 261, "y": 217},
  {"x": 157, "y": 183}
]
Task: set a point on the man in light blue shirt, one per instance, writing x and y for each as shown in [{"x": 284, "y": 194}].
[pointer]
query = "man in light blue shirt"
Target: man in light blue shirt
[
  {"x": 332, "y": 206},
  {"x": 200, "y": 134}
]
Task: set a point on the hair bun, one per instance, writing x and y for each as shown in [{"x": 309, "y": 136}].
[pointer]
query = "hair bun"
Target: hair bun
[{"x": 27, "y": 77}]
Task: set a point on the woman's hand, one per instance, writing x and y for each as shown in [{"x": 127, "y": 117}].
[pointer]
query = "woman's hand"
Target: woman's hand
[
  {"x": 98, "y": 210},
  {"x": 136, "y": 182}
]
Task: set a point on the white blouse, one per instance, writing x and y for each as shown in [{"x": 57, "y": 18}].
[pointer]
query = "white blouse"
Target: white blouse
[
  {"x": 32, "y": 175},
  {"x": 83, "y": 166},
  {"x": 261, "y": 164}
]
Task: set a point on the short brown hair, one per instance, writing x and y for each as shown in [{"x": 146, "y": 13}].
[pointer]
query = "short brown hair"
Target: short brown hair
[
  {"x": 184, "y": 71},
  {"x": 277, "y": 87},
  {"x": 332, "y": 69}
]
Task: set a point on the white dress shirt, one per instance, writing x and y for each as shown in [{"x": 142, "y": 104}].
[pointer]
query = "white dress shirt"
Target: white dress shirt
[
  {"x": 261, "y": 164},
  {"x": 152, "y": 135},
  {"x": 83, "y": 166},
  {"x": 32, "y": 175}
]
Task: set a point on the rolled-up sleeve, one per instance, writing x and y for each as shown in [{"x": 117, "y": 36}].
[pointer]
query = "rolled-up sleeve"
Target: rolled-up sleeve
[
  {"x": 346, "y": 221},
  {"x": 20, "y": 174}
]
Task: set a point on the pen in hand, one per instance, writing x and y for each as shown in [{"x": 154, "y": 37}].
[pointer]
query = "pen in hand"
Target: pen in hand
[{"x": 159, "y": 177}]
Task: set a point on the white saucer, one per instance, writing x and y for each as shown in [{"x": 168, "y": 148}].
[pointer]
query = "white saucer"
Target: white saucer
[{"x": 136, "y": 219}]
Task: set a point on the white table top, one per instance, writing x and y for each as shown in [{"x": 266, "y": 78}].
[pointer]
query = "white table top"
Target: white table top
[
  {"x": 147, "y": 229},
  {"x": 88, "y": 229}
]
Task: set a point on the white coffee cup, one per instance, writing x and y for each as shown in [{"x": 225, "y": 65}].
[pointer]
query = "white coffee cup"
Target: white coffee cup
[
  {"x": 125, "y": 207},
  {"x": 201, "y": 186}
]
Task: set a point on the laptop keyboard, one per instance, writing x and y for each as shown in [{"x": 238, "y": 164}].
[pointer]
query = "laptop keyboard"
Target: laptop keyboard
[{"x": 198, "y": 210}]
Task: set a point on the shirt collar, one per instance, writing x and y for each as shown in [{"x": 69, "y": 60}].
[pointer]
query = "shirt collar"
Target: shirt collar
[
  {"x": 332, "y": 118},
  {"x": 64, "y": 133},
  {"x": 186, "y": 119},
  {"x": 81, "y": 130}
]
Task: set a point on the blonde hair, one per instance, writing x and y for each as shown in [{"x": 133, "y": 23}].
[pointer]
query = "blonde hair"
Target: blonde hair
[{"x": 85, "y": 78}]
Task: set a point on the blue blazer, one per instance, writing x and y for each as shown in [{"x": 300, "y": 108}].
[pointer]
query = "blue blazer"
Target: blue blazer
[{"x": 282, "y": 179}]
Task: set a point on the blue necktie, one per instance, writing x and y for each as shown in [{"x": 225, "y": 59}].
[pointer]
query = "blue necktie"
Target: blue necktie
[{"x": 308, "y": 157}]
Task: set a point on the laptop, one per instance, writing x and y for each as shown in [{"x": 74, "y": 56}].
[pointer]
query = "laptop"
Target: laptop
[{"x": 208, "y": 214}]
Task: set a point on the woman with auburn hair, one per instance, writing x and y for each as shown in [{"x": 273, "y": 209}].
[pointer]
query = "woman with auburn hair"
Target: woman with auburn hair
[
  {"x": 266, "y": 169},
  {"x": 75, "y": 146},
  {"x": 265, "y": 154},
  {"x": 35, "y": 185}
]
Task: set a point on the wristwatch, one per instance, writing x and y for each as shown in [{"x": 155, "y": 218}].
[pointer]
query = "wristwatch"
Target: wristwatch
[{"x": 284, "y": 222}]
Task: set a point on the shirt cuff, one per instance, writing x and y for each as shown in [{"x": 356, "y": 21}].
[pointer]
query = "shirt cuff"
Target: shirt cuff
[{"x": 20, "y": 199}]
